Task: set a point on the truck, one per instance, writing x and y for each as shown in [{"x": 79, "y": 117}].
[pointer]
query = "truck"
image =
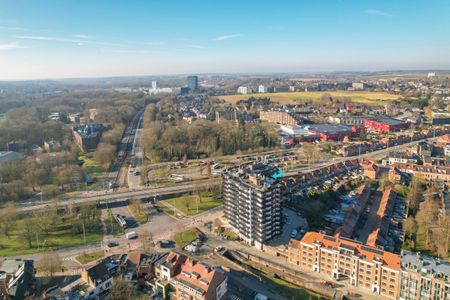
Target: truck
[{"x": 131, "y": 235}]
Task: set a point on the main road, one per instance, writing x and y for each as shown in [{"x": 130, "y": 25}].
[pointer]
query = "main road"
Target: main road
[{"x": 189, "y": 186}]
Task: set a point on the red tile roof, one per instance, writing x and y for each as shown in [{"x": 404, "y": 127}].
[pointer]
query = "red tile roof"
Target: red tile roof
[{"x": 368, "y": 253}]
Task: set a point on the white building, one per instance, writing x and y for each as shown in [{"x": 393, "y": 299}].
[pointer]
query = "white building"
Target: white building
[
  {"x": 243, "y": 90},
  {"x": 262, "y": 89},
  {"x": 155, "y": 85},
  {"x": 431, "y": 74}
]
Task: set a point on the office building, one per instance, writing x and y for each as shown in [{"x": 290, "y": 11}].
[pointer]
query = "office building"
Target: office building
[
  {"x": 365, "y": 267},
  {"x": 192, "y": 83},
  {"x": 252, "y": 202},
  {"x": 155, "y": 85}
]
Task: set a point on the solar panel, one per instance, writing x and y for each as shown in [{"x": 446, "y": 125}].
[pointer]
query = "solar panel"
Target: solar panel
[
  {"x": 329, "y": 238},
  {"x": 376, "y": 251}
]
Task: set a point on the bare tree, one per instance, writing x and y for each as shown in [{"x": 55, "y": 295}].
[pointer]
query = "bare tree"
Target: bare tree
[
  {"x": 8, "y": 216},
  {"x": 50, "y": 263},
  {"x": 121, "y": 290}
]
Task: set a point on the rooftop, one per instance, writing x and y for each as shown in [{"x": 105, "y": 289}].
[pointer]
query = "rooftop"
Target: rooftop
[
  {"x": 390, "y": 121},
  {"x": 329, "y": 128},
  {"x": 367, "y": 253},
  {"x": 427, "y": 266}
]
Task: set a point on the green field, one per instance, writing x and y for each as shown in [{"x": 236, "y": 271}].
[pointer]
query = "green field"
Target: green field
[
  {"x": 62, "y": 236},
  {"x": 184, "y": 238},
  {"x": 92, "y": 167},
  {"x": 2, "y": 117},
  {"x": 138, "y": 213},
  {"x": 371, "y": 98},
  {"x": 85, "y": 258},
  {"x": 195, "y": 204}
]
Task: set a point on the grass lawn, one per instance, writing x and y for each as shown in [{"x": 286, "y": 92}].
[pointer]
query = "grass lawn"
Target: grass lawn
[
  {"x": 184, "y": 238},
  {"x": 111, "y": 222},
  {"x": 421, "y": 242},
  {"x": 193, "y": 204},
  {"x": 85, "y": 258},
  {"x": 61, "y": 236},
  {"x": 138, "y": 213},
  {"x": 371, "y": 98},
  {"x": 92, "y": 167}
]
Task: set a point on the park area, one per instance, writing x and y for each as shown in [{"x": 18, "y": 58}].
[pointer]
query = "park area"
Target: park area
[
  {"x": 192, "y": 205},
  {"x": 48, "y": 230},
  {"x": 370, "y": 98}
]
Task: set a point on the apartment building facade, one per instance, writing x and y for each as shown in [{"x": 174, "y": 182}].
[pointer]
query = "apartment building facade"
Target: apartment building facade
[
  {"x": 252, "y": 203},
  {"x": 279, "y": 117},
  {"x": 365, "y": 267},
  {"x": 424, "y": 278}
]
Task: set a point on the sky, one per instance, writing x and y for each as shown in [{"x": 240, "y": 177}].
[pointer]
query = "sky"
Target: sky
[{"x": 43, "y": 39}]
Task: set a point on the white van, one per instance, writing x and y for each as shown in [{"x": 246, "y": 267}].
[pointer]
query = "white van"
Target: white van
[{"x": 131, "y": 235}]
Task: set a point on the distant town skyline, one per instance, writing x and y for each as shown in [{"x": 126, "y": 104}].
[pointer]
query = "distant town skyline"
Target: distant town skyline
[{"x": 71, "y": 39}]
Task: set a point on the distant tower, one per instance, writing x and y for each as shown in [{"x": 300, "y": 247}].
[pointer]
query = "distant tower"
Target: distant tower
[
  {"x": 155, "y": 85},
  {"x": 192, "y": 83}
]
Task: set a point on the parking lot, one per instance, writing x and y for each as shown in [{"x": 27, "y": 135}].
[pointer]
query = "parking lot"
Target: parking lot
[{"x": 292, "y": 221}]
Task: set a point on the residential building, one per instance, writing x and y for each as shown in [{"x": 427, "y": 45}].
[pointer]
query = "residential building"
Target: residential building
[
  {"x": 431, "y": 174},
  {"x": 252, "y": 202},
  {"x": 13, "y": 146},
  {"x": 88, "y": 136},
  {"x": 262, "y": 89},
  {"x": 424, "y": 277},
  {"x": 357, "y": 85},
  {"x": 366, "y": 267},
  {"x": 8, "y": 156},
  {"x": 385, "y": 124},
  {"x": 192, "y": 83},
  {"x": 191, "y": 279},
  {"x": 378, "y": 237},
  {"x": 227, "y": 114},
  {"x": 155, "y": 85},
  {"x": 403, "y": 157},
  {"x": 279, "y": 117},
  {"x": 370, "y": 169},
  {"x": 17, "y": 279},
  {"x": 440, "y": 118},
  {"x": 332, "y": 131},
  {"x": 243, "y": 90},
  {"x": 198, "y": 280},
  {"x": 52, "y": 146}
]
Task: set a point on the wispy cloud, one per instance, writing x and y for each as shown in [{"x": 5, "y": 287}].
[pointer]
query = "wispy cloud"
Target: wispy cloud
[
  {"x": 12, "y": 28},
  {"x": 195, "y": 46},
  {"x": 11, "y": 46},
  {"x": 78, "y": 41},
  {"x": 377, "y": 12},
  {"x": 226, "y": 37},
  {"x": 83, "y": 36},
  {"x": 156, "y": 43}
]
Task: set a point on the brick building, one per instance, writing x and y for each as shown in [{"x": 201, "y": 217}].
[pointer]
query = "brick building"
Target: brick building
[{"x": 365, "y": 267}]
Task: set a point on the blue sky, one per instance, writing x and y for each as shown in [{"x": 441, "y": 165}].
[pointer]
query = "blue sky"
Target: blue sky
[{"x": 92, "y": 38}]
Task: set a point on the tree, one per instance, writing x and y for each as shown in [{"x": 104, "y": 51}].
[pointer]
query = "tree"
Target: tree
[
  {"x": 147, "y": 239},
  {"x": 50, "y": 263},
  {"x": 121, "y": 290},
  {"x": 8, "y": 216},
  {"x": 28, "y": 230},
  {"x": 413, "y": 197},
  {"x": 410, "y": 227}
]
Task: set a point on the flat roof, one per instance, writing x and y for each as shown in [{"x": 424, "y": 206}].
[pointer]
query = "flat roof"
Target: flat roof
[
  {"x": 329, "y": 128},
  {"x": 390, "y": 121}
]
